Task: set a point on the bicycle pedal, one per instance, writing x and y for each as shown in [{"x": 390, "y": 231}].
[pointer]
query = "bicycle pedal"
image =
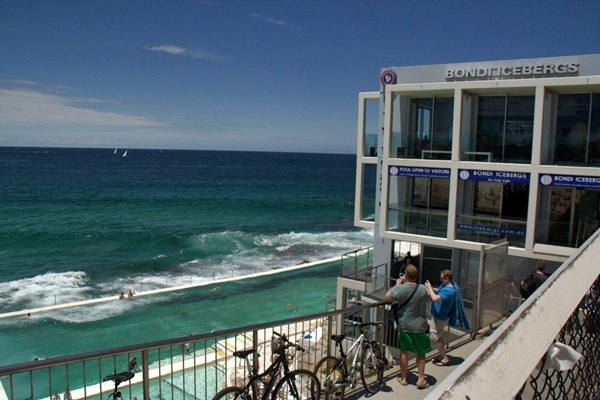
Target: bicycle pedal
[{"x": 381, "y": 363}]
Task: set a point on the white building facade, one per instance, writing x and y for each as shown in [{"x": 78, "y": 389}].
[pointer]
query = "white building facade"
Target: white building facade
[{"x": 451, "y": 157}]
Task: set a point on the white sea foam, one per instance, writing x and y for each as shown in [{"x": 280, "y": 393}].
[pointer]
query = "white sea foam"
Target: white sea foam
[
  {"x": 93, "y": 312},
  {"x": 244, "y": 256},
  {"x": 47, "y": 289}
]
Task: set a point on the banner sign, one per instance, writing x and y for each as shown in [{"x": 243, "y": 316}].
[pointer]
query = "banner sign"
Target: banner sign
[
  {"x": 492, "y": 229},
  {"x": 440, "y": 173},
  {"x": 494, "y": 176},
  {"x": 573, "y": 181}
]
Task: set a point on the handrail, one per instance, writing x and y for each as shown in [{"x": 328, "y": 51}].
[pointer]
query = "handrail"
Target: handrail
[
  {"x": 54, "y": 361},
  {"x": 355, "y": 256},
  {"x": 216, "y": 354}
]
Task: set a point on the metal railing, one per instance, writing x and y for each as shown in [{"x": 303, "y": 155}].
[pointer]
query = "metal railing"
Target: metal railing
[
  {"x": 498, "y": 300},
  {"x": 356, "y": 260},
  {"x": 194, "y": 367}
]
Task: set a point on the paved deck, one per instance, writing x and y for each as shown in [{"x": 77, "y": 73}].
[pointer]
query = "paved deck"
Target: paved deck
[{"x": 392, "y": 390}]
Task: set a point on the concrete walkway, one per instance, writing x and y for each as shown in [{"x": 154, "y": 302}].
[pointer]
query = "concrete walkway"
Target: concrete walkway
[{"x": 434, "y": 374}]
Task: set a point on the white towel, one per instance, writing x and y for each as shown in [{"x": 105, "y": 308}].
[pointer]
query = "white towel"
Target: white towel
[{"x": 560, "y": 357}]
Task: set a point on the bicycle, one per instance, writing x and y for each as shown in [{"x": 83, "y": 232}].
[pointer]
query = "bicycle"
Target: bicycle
[
  {"x": 277, "y": 381},
  {"x": 120, "y": 378},
  {"x": 337, "y": 373}
]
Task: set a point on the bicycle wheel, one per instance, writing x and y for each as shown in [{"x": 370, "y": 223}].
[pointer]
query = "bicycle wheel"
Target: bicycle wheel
[
  {"x": 232, "y": 393},
  {"x": 331, "y": 373},
  {"x": 300, "y": 384},
  {"x": 371, "y": 369}
]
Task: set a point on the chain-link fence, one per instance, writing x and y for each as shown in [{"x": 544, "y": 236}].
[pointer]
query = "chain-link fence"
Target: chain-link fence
[{"x": 582, "y": 333}]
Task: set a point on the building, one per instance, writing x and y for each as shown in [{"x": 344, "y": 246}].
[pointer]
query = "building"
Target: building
[{"x": 453, "y": 157}]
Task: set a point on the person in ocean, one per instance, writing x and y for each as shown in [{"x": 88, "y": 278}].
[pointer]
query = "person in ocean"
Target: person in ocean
[{"x": 131, "y": 293}]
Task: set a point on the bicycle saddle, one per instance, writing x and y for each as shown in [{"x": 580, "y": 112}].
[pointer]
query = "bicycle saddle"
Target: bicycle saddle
[
  {"x": 338, "y": 338},
  {"x": 120, "y": 377},
  {"x": 243, "y": 353}
]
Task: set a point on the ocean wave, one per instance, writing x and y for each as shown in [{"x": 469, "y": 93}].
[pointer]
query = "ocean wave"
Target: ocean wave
[
  {"x": 43, "y": 290},
  {"x": 235, "y": 252},
  {"x": 211, "y": 257}
]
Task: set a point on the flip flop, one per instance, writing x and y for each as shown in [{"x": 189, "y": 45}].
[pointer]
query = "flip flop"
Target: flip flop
[
  {"x": 441, "y": 362},
  {"x": 424, "y": 385},
  {"x": 402, "y": 381}
]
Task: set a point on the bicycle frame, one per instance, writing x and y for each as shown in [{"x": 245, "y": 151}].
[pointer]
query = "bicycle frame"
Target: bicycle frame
[
  {"x": 278, "y": 380},
  {"x": 269, "y": 377},
  {"x": 356, "y": 347}
]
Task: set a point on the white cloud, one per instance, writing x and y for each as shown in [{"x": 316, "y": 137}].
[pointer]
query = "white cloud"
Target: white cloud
[
  {"x": 192, "y": 53},
  {"x": 276, "y": 22},
  {"x": 29, "y": 108},
  {"x": 167, "y": 49}
]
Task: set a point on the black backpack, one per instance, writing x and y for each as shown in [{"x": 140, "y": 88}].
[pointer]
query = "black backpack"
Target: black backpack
[{"x": 528, "y": 286}]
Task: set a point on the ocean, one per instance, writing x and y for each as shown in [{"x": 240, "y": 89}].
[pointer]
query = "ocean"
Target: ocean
[{"x": 80, "y": 224}]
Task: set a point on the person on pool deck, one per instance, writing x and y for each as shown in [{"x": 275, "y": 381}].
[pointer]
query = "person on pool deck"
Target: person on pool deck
[
  {"x": 412, "y": 323},
  {"x": 443, "y": 299}
]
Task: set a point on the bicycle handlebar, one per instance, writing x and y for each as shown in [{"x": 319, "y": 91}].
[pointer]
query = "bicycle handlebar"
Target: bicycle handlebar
[
  {"x": 288, "y": 344},
  {"x": 281, "y": 336},
  {"x": 363, "y": 324}
]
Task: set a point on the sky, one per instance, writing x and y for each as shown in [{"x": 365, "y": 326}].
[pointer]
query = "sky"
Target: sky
[{"x": 244, "y": 75}]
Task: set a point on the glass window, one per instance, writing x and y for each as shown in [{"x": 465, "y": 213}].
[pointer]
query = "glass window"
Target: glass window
[
  {"x": 418, "y": 205},
  {"x": 490, "y": 125},
  {"x": 371, "y": 127},
  {"x": 519, "y": 129},
  {"x": 369, "y": 178},
  {"x": 577, "y": 136},
  {"x": 491, "y": 211},
  {"x": 427, "y": 132},
  {"x": 567, "y": 216},
  {"x": 504, "y": 130}
]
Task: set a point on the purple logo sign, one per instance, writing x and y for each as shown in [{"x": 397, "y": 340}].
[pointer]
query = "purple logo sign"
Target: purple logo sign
[{"x": 388, "y": 77}]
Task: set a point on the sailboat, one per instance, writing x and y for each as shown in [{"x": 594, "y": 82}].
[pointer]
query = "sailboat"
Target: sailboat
[
  {"x": 115, "y": 152},
  {"x": 125, "y": 154}
]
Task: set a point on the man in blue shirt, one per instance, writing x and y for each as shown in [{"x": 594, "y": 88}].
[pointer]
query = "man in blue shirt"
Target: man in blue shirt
[{"x": 443, "y": 299}]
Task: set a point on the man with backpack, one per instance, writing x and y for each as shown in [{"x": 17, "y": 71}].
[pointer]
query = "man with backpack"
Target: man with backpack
[{"x": 534, "y": 280}]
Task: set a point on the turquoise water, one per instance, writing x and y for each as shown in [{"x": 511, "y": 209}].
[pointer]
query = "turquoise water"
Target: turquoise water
[
  {"x": 80, "y": 224},
  {"x": 202, "y": 309},
  {"x": 89, "y": 220},
  {"x": 176, "y": 314}
]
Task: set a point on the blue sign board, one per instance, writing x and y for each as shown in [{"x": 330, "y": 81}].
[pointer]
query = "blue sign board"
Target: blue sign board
[
  {"x": 576, "y": 181},
  {"x": 494, "y": 176},
  {"x": 421, "y": 172}
]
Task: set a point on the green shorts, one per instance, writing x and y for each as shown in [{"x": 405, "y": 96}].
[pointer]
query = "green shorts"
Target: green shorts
[{"x": 414, "y": 342}]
